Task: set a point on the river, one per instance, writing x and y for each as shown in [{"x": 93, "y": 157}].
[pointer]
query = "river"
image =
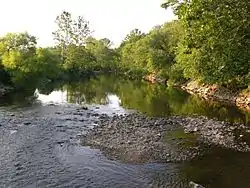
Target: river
[{"x": 40, "y": 137}]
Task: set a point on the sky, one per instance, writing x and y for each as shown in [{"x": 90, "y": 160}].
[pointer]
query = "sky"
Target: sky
[{"x": 112, "y": 19}]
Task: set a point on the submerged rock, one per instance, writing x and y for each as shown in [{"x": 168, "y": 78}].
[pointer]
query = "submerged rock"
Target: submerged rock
[{"x": 84, "y": 108}]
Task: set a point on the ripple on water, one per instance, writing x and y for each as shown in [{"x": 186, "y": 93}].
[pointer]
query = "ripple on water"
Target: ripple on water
[{"x": 49, "y": 154}]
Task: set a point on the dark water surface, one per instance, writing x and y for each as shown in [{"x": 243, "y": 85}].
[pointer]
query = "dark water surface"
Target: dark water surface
[{"x": 40, "y": 138}]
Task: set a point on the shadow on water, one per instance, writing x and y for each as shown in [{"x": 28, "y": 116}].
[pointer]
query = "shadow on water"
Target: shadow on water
[{"x": 217, "y": 168}]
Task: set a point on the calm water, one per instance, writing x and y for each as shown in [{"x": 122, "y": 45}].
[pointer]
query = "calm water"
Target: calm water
[{"x": 40, "y": 138}]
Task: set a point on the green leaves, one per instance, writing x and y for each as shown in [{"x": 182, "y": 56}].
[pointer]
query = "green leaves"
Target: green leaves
[
  {"x": 17, "y": 50},
  {"x": 216, "y": 47},
  {"x": 153, "y": 52},
  {"x": 70, "y": 32}
]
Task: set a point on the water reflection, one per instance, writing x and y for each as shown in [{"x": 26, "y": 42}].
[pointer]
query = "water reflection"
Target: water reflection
[
  {"x": 155, "y": 100},
  {"x": 54, "y": 97},
  {"x": 217, "y": 168}
]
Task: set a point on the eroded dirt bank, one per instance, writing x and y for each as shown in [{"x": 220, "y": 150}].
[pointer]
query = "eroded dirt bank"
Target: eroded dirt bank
[
  {"x": 240, "y": 99},
  {"x": 212, "y": 92},
  {"x": 137, "y": 138}
]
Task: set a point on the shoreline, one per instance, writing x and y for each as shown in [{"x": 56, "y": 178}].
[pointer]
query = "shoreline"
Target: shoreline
[
  {"x": 137, "y": 138},
  {"x": 239, "y": 99},
  {"x": 221, "y": 94}
]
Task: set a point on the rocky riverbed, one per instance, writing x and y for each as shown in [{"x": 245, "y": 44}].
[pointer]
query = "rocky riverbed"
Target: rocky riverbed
[{"x": 136, "y": 138}]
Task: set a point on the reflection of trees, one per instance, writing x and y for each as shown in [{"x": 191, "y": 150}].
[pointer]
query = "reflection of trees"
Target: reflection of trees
[
  {"x": 93, "y": 90},
  {"x": 144, "y": 97},
  {"x": 46, "y": 87},
  {"x": 195, "y": 105},
  {"x": 155, "y": 100},
  {"x": 219, "y": 168},
  {"x": 159, "y": 100}
]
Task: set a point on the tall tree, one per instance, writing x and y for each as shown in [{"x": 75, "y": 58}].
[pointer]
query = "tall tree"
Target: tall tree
[{"x": 70, "y": 32}]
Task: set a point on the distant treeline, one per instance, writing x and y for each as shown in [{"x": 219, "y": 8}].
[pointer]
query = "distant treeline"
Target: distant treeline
[{"x": 210, "y": 42}]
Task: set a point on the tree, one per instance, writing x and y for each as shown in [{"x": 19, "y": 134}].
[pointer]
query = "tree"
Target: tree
[
  {"x": 153, "y": 52},
  {"x": 132, "y": 37},
  {"x": 48, "y": 63},
  {"x": 17, "y": 51},
  {"x": 71, "y": 36},
  {"x": 105, "y": 57},
  {"x": 216, "y": 45},
  {"x": 22, "y": 42},
  {"x": 70, "y": 32}
]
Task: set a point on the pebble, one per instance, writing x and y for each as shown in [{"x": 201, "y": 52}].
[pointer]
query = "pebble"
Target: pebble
[{"x": 136, "y": 133}]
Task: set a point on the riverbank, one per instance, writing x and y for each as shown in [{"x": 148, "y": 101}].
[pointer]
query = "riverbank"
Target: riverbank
[
  {"x": 213, "y": 92},
  {"x": 136, "y": 138},
  {"x": 240, "y": 99}
]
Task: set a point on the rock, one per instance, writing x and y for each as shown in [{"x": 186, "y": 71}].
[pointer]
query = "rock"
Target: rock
[
  {"x": 195, "y": 185},
  {"x": 142, "y": 136},
  {"x": 84, "y": 108},
  {"x": 129, "y": 142}
]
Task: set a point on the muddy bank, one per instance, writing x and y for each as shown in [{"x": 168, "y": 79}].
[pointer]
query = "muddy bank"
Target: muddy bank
[
  {"x": 214, "y": 92},
  {"x": 137, "y": 138}
]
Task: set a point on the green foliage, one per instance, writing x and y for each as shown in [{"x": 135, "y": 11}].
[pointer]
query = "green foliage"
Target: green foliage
[
  {"x": 70, "y": 32},
  {"x": 22, "y": 42},
  {"x": 80, "y": 52},
  {"x": 105, "y": 57},
  {"x": 22, "y": 63},
  {"x": 18, "y": 54},
  {"x": 153, "y": 52},
  {"x": 216, "y": 48},
  {"x": 48, "y": 63}
]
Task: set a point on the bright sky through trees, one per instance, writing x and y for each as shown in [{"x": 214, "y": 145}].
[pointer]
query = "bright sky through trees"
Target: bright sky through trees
[{"x": 108, "y": 18}]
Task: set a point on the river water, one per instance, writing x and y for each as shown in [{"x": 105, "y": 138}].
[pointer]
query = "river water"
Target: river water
[{"x": 40, "y": 138}]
